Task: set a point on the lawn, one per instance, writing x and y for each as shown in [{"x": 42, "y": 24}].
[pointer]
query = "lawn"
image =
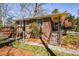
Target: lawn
[{"x": 39, "y": 51}]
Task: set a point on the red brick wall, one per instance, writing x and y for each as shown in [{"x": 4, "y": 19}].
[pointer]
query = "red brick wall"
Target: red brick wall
[{"x": 46, "y": 29}]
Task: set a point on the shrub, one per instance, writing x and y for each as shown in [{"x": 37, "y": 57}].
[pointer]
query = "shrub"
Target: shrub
[
  {"x": 70, "y": 39},
  {"x": 35, "y": 29}
]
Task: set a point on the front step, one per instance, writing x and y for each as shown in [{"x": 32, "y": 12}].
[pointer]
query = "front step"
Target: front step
[{"x": 53, "y": 40}]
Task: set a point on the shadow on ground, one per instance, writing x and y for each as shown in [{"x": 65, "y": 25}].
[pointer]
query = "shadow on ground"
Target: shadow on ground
[
  {"x": 48, "y": 49},
  {"x": 6, "y": 42}
]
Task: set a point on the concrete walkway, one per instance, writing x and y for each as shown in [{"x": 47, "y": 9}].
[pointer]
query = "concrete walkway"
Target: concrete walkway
[{"x": 58, "y": 48}]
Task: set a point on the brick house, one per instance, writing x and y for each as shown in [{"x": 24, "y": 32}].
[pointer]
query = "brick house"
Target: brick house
[{"x": 49, "y": 24}]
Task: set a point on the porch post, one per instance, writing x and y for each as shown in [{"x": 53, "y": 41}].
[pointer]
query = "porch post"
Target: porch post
[
  {"x": 16, "y": 30},
  {"x": 23, "y": 30},
  {"x": 59, "y": 30}
]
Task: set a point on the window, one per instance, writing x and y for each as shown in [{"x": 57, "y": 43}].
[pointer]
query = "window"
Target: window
[
  {"x": 18, "y": 23},
  {"x": 39, "y": 21},
  {"x": 54, "y": 26}
]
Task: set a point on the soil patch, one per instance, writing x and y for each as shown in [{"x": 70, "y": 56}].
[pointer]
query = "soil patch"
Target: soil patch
[{"x": 9, "y": 51}]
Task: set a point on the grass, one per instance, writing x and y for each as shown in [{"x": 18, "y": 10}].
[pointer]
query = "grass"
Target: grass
[{"x": 39, "y": 51}]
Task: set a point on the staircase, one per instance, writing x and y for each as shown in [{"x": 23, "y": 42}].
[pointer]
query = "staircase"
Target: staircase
[{"x": 53, "y": 40}]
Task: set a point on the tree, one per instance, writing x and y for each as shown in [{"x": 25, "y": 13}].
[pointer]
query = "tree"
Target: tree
[
  {"x": 24, "y": 10},
  {"x": 76, "y": 24},
  {"x": 78, "y": 11},
  {"x": 38, "y": 9},
  {"x": 34, "y": 9},
  {"x": 0, "y": 23},
  {"x": 1, "y": 13},
  {"x": 4, "y": 13},
  {"x": 55, "y": 11},
  {"x": 35, "y": 30}
]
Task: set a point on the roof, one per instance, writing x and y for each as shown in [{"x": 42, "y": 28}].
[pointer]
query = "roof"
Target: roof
[{"x": 41, "y": 17}]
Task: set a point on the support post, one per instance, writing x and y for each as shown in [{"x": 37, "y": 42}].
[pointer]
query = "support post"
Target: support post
[
  {"x": 59, "y": 30},
  {"x": 16, "y": 31},
  {"x": 23, "y": 30}
]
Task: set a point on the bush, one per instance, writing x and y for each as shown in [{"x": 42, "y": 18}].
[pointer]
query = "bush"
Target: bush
[
  {"x": 35, "y": 30},
  {"x": 70, "y": 39}
]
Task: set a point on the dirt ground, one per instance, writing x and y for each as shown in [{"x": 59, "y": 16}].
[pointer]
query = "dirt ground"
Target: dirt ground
[{"x": 9, "y": 51}]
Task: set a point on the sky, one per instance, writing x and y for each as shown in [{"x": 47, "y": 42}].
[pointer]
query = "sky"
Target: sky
[{"x": 69, "y": 7}]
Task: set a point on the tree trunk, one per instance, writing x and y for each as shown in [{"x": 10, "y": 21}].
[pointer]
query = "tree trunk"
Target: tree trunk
[
  {"x": 3, "y": 23},
  {"x": 35, "y": 11}
]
